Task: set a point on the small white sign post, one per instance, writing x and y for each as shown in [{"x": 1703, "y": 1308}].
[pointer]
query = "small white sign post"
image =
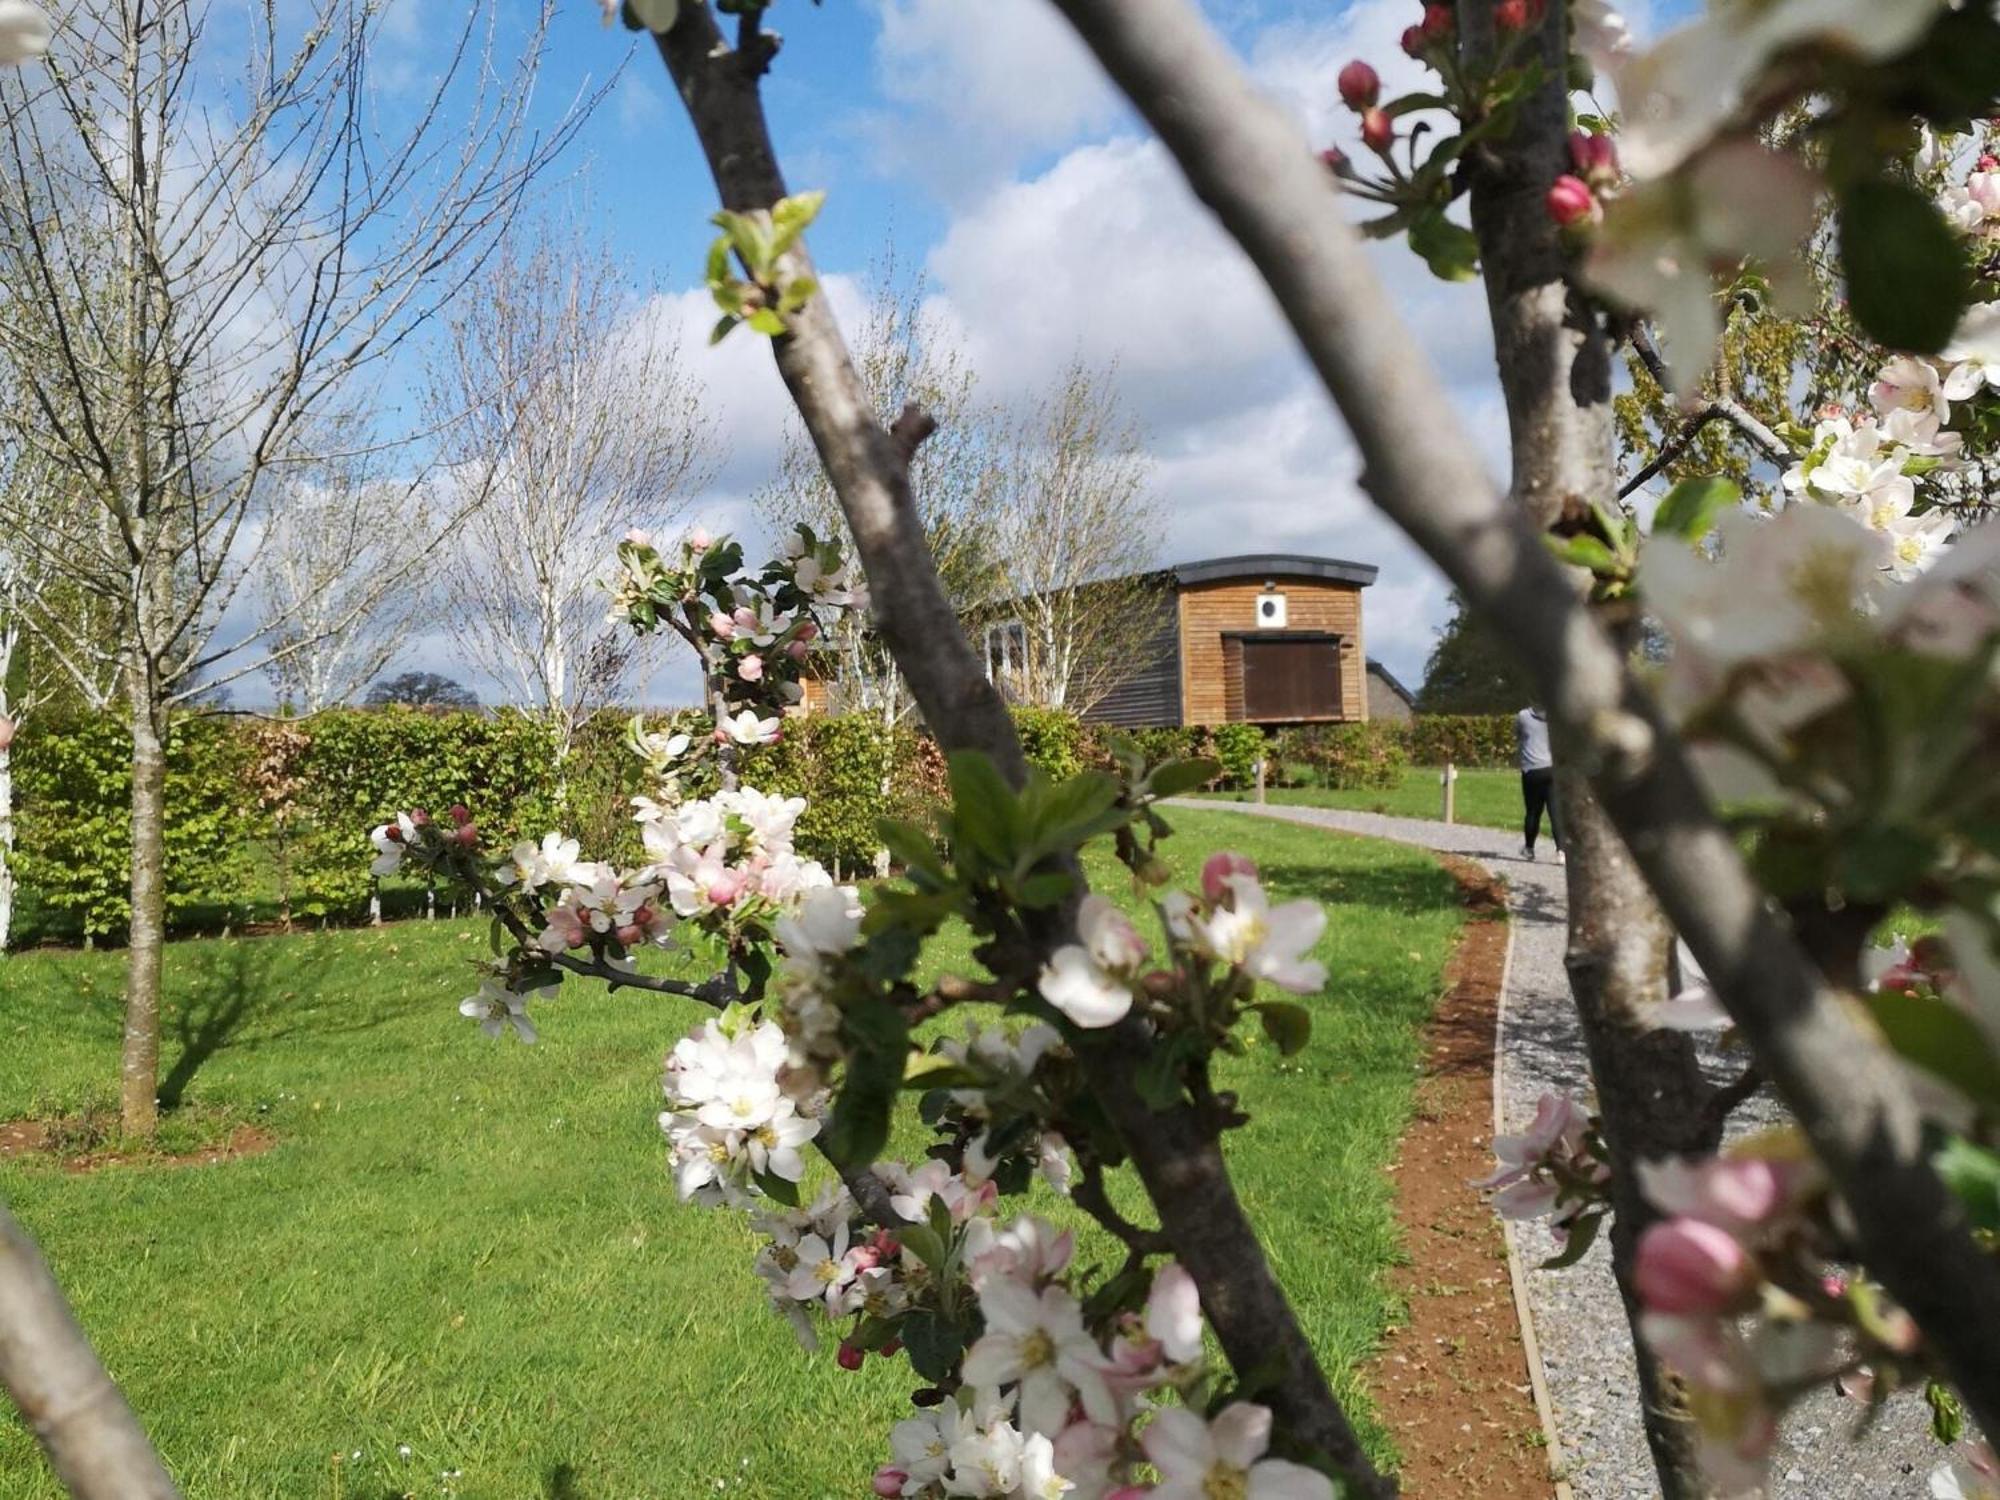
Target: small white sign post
[{"x": 1448, "y": 779}]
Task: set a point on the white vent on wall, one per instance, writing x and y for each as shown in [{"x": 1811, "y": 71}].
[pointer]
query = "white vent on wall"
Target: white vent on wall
[{"x": 1271, "y": 611}]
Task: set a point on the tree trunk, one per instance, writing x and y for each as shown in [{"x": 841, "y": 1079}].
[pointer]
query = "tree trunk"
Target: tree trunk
[
  {"x": 1555, "y": 361},
  {"x": 1652, "y": 1097},
  {"x": 140, "y": 1069}
]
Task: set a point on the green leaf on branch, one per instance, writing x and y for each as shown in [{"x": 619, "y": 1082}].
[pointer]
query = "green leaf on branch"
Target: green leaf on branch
[
  {"x": 984, "y": 812},
  {"x": 1176, "y": 776},
  {"x": 1288, "y": 1025},
  {"x": 933, "y": 1344},
  {"x": 878, "y": 1043},
  {"x": 1040, "y": 892},
  {"x": 1450, "y": 250},
  {"x": 1908, "y": 282},
  {"x": 1582, "y": 1235},
  {"x": 783, "y": 1189},
  {"x": 1584, "y": 552},
  {"x": 1947, "y": 1412},
  {"x": 1693, "y": 506},
  {"x": 1940, "y": 1038},
  {"x": 1158, "y": 1080},
  {"x": 1973, "y": 1173},
  {"x": 910, "y": 847},
  {"x": 790, "y": 216}
]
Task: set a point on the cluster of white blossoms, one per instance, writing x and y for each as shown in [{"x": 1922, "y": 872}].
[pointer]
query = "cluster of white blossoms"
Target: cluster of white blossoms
[
  {"x": 1050, "y": 1409},
  {"x": 720, "y": 852},
  {"x": 1095, "y": 981},
  {"x": 728, "y": 1120},
  {"x": 1869, "y": 467}
]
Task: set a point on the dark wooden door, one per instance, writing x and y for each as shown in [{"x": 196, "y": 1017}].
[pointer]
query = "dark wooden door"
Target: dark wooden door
[{"x": 1290, "y": 679}]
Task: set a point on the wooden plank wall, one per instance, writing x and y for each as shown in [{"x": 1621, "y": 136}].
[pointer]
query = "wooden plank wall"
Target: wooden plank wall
[{"x": 1212, "y": 673}]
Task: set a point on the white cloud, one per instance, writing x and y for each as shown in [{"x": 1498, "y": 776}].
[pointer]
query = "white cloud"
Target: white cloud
[{"x": 979, "y": 88}]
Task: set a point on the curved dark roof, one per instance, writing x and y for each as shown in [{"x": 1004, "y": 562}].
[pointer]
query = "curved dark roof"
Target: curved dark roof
[{"x": 1274, "y": 565}]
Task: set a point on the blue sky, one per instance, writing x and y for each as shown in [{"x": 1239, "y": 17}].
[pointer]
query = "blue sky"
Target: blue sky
[{"x": 984, "y": 140}]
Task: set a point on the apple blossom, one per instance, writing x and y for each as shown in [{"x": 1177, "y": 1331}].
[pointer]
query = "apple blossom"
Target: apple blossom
[
  {"x": 1200, "y": 1460},
  {"x": 1514, "y": 15},
  {"x": 1378, "y": 129},
  {"x": 1974, "y": 351},
  {"x": 1439, "y": 20},
  {"x": 751, "y": 668},
  {"x": 6, "y": 732},
  {"x": 1414, "y": 41},
  {"x": 1595, "y": 158},
  {"x": 1217, "y": 870},
  {"x": 1091, "y": 982},
  {"x": 1686, "y": 1266},
  {"x": 532, "y": 866},
  {"x": 498, "y": 1006},
  {"x": 746, "y": 728},
  {"x": 1571, "y": 202},
  {"x": 1733, "y": 1193},
  {"x": 1266, "y": 942},
  {"x": 1173, "y": 1313},
  {"x": 392, "y": 841},
  {"x": 1360, "y": 85},
  {"x": 1036, "y": 1341}
]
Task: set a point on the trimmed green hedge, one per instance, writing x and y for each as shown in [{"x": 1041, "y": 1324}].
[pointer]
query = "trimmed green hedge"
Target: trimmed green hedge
[{"x": 268, "y": 821}]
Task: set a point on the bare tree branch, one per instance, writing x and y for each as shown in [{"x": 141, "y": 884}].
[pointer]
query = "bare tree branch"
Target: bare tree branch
[
  {"x": 94, "y": 1443},
  {"x": 1247, "y": 161}
]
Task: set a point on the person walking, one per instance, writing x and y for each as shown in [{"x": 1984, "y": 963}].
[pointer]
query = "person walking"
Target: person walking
[{"x": 1538, "y": 777}]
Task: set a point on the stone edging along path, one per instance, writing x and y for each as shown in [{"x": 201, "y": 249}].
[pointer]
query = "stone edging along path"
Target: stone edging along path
[{"x": 1574, "y": 1335}]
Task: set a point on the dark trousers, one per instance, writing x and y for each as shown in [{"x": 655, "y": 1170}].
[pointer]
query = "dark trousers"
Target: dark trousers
[{"x": 1537, "y": 795}]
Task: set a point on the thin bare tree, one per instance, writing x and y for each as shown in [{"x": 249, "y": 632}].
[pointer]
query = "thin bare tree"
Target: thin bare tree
[
  {"x": 572, "y": 416},
  {"x": 904, "y": 354},
  {"x": 1076, "y": 536},
  {"x": 209, "y": 226},
  {"x": 337, "y": 596}
]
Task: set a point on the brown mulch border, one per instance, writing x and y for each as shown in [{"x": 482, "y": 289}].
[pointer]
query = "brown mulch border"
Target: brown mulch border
[
  {"x": 31, "y": 1138},
  {"x": 1451, "y": 1381}
]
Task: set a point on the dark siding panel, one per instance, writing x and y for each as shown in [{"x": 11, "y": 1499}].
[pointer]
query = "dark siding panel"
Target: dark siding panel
[{"x": 1150, "y": 693}]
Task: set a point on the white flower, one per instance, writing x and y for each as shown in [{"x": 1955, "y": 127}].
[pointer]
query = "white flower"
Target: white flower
[
  {"x": 745, "y": 728},
  {"x": 25, "y": 31},
  {"x": 1974, "y": 207},
  {"x": 1677, "y": 94},
  {"x": 1974, "y": 352},
  {"x": 1030, "y": 1250},
  {"x": 1201, "y": 1460},
  {"x": 1039, "y": 1479},
  {"x": 920, "y": 1446},
  {"x": 1661, "y": 249},
  {"x": 391, "y": 840},
  {"x": 497, "y": 1007},
  {"x": 1911, "y": 384},
  {"x": 1972, "y": 1473},
  {"x": 823, "y": 1271},
  {"x": 1267, "y": 942},
  {"x": 531, "y": 866},
  {"x": 1038, "y": 1342},
  {"x": 1091, "y": 982},
  {"x": 1173, "y": 1313}
]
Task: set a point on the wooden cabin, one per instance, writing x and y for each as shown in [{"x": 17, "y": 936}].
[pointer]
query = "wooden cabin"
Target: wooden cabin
[{"x": 1266, "y": 638}]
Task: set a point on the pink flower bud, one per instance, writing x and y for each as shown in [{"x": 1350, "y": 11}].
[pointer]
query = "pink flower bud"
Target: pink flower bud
[
  {"x": 1360, "y": 85},
  {"x": 1833, "y": 1284},
  {"x": 639, "y": 538},
  {"x": 1378, "y": 131},
  {"x": 466, "y": 836},
  {"x": 797, "y": 650},
  {"x": 849, "y": 1357},
  {"x": 419, "y": 817},
  {"x": 751, "y": 669},
  {"x": 1335, "y": 159},
  {"x": 1438, "y": 21},
  {"x": 1685, "y": 1266},
  {"x": 1219, "y": 869},
  {"x": 1415, "y": 40},
  {"x": 889, "y": 1481},
  {"x": 1596, "y": 158},
  {"x": 699, "y": 540},
  {"x": 1514, "y": 15},
  {"x": 864, "y": 1258},
  {"x": 1988, "y": 163},
  {"x": 6, "y": 731},
  {"x": 1571, "y": 202},
  {"x": 460, "y": 814},
  {"x": 807, "y": 631},
  {"x": 724, "y": 890}
]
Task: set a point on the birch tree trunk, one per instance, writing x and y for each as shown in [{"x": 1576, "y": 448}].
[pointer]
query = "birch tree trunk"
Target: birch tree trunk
[{"x": 139, "y": 1068}]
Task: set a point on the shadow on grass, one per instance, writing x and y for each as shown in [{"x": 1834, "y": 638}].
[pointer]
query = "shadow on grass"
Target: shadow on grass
[
  {"x": 242, "y": 994},
  {"x": 1403, "y": 887}
]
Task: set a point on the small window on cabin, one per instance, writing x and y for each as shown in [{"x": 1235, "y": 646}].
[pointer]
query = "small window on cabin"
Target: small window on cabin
[{"x": 1006, "y": 651}]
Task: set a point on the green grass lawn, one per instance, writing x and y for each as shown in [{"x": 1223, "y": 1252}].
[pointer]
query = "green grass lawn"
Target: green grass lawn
[
  {"x": 473, "y": 1248},
  {"x": 1489, "y": 798}
]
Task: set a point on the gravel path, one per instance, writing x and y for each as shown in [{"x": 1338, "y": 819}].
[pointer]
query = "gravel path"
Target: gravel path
[{"x": 1586, "y": 1346}]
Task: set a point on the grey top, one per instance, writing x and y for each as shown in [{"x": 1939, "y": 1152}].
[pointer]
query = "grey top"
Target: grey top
[{"x": 1531, "y": 741}]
